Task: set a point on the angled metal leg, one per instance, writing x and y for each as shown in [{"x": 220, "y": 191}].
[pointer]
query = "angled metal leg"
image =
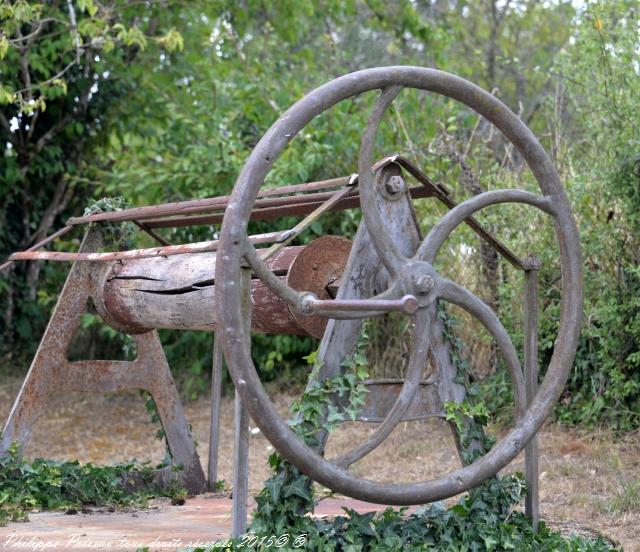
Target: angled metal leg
[
  {"x": 153, "y": 367},
  {"x": 51, "y": 371},
  {"x": 363, "y": 277},
  {"x": 50, "y": 359}
]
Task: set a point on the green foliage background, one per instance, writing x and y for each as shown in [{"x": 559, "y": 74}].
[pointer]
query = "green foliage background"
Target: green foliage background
[{"x": 160, "y": 101}]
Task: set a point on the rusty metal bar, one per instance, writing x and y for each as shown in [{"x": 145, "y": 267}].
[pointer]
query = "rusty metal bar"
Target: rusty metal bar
[
  {"x": 270, "y": 213},
  {"x": 179, "y": 210},
  {"x": 294, "y": 232},
  {"x": 198, "y": 247},
  {"x": 268, "y": 207},
  {"x": 38, "y": 245},
  {"x": 310, "y": 186},
  {"x": 442, "y": 194},
  {"x": 240, "y": 468},
  {"x": 202, "y": 205},
  {"x": 303, "y": 198},
  {"x": 531, "y": 451},
  {"x": 275, "y": 207},
  {"x": 151, "y": 233},
  {"x": 407, "y": 304}
]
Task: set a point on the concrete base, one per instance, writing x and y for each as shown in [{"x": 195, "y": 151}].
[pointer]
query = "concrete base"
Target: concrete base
[{"x": 201, "y": 521}]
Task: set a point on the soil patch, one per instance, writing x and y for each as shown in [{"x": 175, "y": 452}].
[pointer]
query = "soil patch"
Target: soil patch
[{"x": 588, "y": 480}]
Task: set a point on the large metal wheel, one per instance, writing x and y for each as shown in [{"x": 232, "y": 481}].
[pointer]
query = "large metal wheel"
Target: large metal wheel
[{"x": 414, "y": 283}]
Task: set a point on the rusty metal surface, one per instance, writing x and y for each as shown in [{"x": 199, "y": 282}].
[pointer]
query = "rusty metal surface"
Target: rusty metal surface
[
  {"x": 407, "y": 274},
  {"x": 319, "y": 265},
  {"x": 302, "y": 225},
  {"x": 531, "y": 451},
  {"x": 138, "y": 301},
  {"x": 275, "y": 203},
  {"x": 363, "y": 278},
  {"x": 407, "y": 304},
  {"x": 298, "y": 208},
  {"x": 178, "y": 292},
  {"x": 151, "y": 233},
  {"x": 202, "y": 205},
  {"x": 272, "y": 213},
  {"x": 51, "y": 371},
  {"x": 64, "y": 230},
  {"x": 441, "y": 193},
  {"x": 148, "y": 253},
  {"x": 217, "y": 366}
]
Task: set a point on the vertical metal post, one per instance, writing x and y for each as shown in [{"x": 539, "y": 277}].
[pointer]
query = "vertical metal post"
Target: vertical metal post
[
  {"x": 216, "y": 397},
  {"x": 241, "y": 468},
  {"x": 531, "y": 451},
  {"x": 241, "y": 445}
]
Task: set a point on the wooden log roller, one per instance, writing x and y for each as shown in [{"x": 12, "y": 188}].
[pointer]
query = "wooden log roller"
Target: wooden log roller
[{"x": 178, "y": 292}]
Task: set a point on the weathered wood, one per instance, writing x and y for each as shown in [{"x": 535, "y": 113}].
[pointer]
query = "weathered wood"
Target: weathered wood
[
  {"x": 178, "y": 292},
  {"x": 381, "y": 394}
]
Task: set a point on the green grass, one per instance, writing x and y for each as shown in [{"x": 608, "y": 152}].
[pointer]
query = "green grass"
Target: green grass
[{"x": 626, "y": 498}]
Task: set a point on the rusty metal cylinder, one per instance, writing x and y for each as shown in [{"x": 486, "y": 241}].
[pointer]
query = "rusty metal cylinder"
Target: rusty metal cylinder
[{"x": 178, "y": 292}]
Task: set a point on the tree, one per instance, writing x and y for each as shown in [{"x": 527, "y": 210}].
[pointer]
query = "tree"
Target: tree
[{"x": 63, "y": 66}]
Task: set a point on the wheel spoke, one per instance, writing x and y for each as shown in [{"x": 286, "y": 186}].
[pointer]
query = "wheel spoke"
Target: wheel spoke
[
  {"x": 282, "y": 290},
  {"x": 413, "y": 376},
  {"x": 463, "y": 298},
  {"x": 449, "y": 222},
  {"x": 389, "y": 255}
]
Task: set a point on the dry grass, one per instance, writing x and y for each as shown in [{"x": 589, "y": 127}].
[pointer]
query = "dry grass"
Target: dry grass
[{"x": 588, "y": 480}]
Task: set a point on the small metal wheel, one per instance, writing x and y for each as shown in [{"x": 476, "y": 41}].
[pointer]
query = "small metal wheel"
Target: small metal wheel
[{"x": 414, "y": 284}]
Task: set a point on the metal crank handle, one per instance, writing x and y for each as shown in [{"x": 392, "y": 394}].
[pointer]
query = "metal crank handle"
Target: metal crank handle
[{"x": 310, "y": 304}]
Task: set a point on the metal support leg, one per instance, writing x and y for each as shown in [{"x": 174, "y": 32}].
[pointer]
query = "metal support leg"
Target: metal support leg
[
  {"x": 51, "y": 371},
  {"x": 241, "y": 448},
  {"x": 531, "y": 451},
  {"x": 47, "y": 367},
  {"x": 151, "y": 365},
  {"x": 216, "y": 397},
  {"x": 241, "y": 468}
]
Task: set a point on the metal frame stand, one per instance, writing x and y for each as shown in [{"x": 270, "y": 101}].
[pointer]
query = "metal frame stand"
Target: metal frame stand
[{"x": 51, "y": 371}]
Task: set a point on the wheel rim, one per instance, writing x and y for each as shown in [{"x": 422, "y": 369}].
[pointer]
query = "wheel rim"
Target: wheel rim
[{"x": 236, "y": 338}]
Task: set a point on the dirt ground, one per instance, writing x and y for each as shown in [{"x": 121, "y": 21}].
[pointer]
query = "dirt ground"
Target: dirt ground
[{"x": 588, "y": 480}]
